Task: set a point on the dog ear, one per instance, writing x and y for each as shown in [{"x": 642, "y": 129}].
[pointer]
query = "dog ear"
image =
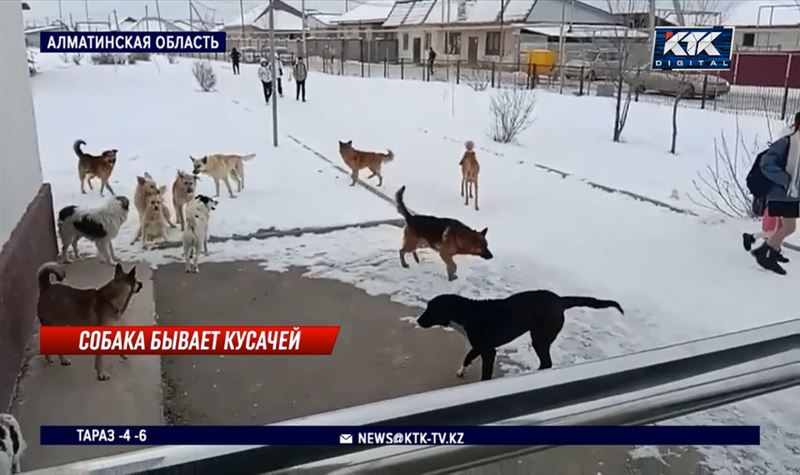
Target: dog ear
[
  {"x": 483, "y": 233},
  {"x": 349, "y": 143},
  {"x": 147, "y": 175},
  {"x": 191, "y": 158},
  {"x": 205, "y": 159},
  {"x": 118, "y": 272},
  {"x": 140, "y": 180},
  {"x": 132, "y": 273}
]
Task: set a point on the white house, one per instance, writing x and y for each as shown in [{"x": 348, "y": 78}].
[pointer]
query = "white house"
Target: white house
[
  {"x": 288, "y": 25},
  {"x": 480, "y": 31},
  {"x": 364, "y": 19},
  {"x": 27, "y": 230},
  {"x": 766, "y": 26}
]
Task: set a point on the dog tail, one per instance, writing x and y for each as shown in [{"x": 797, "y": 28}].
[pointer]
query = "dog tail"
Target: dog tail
[
  {"x": 591, "y": 302},
  {"x": 388, "y": 156},
  {"x": 76, "y": 147},
  {"x": 46, "y": 270},
  {"x": 249, "y": 156},
  {"x": 469, "y": 145},
  {"x": 401, "y": 207}
]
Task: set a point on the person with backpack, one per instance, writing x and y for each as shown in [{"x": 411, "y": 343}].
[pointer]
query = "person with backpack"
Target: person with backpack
[
  {"x": 235, "y": 57},
  {"x": 265, "y": 74},
  {"x": 775, "y": 176}
]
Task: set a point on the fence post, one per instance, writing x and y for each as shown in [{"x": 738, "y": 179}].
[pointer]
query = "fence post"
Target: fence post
[
  {"x": 580, "y": 92},
  {"x": 385, "y": 67},
  {"x": 705, "y": 89},
  {"x": 534, "y": 78},
  {"x": 492, "y": 73},
  {"x": 458, "y": 71},
  {"x": 402, "y": 69},
  {"x": 785, "y": 99}
]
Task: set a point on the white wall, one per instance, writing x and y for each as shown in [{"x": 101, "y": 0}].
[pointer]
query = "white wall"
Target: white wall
[
  {"x": 783, "y": 39},
  {"x": 438, "y": 42},
  {"x": 20, "y": 170}
]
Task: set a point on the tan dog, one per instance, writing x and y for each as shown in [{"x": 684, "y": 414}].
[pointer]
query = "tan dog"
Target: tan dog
[
  {"x": 469, "y": 173},
  {"x": 183, "y": 192},
  {"x": 447, "y": 236},
  {"x": 357, "y": 160},
  {"x": 220, "y": 167},
  {"x": 90, "y": 166},
  {"x": 147, "y": 187},
  {"x": 152, "y": 223},
  {"x": 62, "y": 305}
]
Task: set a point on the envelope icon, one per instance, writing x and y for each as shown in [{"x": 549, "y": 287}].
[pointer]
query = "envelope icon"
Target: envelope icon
[{"x": 345, "y": 438}]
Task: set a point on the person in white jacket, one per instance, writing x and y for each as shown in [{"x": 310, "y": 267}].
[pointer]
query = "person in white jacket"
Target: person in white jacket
[{"x": 265, "y": 74}]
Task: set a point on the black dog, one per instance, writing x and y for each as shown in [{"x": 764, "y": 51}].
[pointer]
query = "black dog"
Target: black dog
[{"x": 488, "y": 324}]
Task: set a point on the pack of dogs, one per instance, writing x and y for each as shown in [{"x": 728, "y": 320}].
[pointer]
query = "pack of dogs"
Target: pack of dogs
[{"x": 485, "y": 324}]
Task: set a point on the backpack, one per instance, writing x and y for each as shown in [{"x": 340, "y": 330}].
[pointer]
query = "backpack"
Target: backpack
[{"x": 758, "y": 184}]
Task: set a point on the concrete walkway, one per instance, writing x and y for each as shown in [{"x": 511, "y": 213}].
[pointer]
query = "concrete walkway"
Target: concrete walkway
[{"x": 51, "y": 394}]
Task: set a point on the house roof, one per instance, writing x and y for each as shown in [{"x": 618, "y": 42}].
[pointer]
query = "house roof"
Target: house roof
[
  {"x": 286, "y": 18},
  {"x": 38, "y": 29},
  {"x": 585, "y": 31},
  {"x": 151, "y": 24},
  {"x": 372, "y": 12}
]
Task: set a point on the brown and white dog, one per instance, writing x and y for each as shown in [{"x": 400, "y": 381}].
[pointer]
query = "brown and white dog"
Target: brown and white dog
[
  {"x": 62, "y": 305},
  {"x": 183, "y": 189},
  {"x": 90, "y": 166},
  {"x": 357, "y": 160},
  {"x": 448, "y": 236},
  {"x": 469, "y": 173},
  {"x": 152, "y": 224},
  {"x": 221, "y": 166}
]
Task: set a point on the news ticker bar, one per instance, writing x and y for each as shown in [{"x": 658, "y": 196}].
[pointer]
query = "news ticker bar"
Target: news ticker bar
[
  {"x": 188, "y": 340},
  {"x": 400, "y": 435}
]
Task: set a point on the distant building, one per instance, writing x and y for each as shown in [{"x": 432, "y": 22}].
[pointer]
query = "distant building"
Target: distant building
[
  {"x": 766, "y": 26},
  {"x": 33, "y": 35}
]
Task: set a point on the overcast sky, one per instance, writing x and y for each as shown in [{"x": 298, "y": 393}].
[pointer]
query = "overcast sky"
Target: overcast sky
[{"x": 171, "y": 9}]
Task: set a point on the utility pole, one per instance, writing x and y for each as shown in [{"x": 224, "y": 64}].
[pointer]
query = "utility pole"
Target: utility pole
[
  {"x": 651, "y": 22},
  {"x": 146, "y": 18},
  {"x": 561, "y": 43},
  {"x": 160, "y": 21},
  {"x": 116, "y": 19},
  {"x": 679, "y": 12},
  {"x": 241, "y": 12},
  {"x": 191, "y": 18},
  {"x": 274, "y": 73},
  {"x": 303, "y": 8},
  {"x": 60, "y": 14},
  {"x": 502, "y": 9},
  {"x": 86, "y": 8}
]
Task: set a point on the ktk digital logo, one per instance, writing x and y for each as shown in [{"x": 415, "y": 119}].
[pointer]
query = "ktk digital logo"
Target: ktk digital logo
[{"x": 693, "y": 48}]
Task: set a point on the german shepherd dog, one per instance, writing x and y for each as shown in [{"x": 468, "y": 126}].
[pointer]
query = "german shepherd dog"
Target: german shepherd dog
[
  {"x": 357, "y": 160},
  {"x": 469, "y": 173},
  {"x": 62, "y": 305},
  {"x": 448, "y": 236},
  {"x": 220, "y": 167},
  {"x": 489, "y": 324},
  {"x": 90, "y": 166}
]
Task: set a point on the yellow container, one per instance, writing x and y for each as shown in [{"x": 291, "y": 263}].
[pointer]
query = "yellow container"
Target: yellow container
[{"x": 543, "y": 59}]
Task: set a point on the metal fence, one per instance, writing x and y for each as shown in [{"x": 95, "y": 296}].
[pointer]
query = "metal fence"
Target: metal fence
[
  {"x": 775, "y": 102},
  {"x": 639, "y": 388}
]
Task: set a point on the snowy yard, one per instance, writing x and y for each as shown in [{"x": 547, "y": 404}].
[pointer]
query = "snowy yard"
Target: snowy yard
[{"x": 678, "y": 277}]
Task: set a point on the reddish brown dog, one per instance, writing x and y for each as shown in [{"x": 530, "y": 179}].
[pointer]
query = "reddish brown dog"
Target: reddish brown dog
[{"x": 448, "y": 236}]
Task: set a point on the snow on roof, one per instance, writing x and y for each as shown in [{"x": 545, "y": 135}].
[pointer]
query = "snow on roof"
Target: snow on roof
[
  {"x": 152, "y": 24},
  {"x": 586, "y": 31},
  {"x": 758, "y": 12},
  {"x": 284, "y": 21},
  {"x": 436, "y": 12},
  {"x": 375, "y": 11},
  {"x": 38, "y": 29},
  {"x": 398, "y": 14}
]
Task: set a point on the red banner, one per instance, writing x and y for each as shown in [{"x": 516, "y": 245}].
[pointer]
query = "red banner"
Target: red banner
[{"x": 188, "y": 340}]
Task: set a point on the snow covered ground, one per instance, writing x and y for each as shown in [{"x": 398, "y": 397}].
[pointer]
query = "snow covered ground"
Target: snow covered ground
[{"x": 678, "y": 277}]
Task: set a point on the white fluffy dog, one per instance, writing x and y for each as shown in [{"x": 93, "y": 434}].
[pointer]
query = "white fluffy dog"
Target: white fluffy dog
[
  {"x": 12, "y": 445},
  {"x": 100, "y": 225},
  {"x": 195, "y": 236}
]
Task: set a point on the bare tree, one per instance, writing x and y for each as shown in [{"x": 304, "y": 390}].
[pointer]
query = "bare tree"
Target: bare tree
[
  {"x": 684, "y": 89},
  {"x": 722, "y": 187},
  {"x": 512, "y": 113},
  {"x": 624, "y": 43},
  {"x": 706, "y": 12},
  {"x": 204, "y": 74},
  {"x": 477, "y": 80}
]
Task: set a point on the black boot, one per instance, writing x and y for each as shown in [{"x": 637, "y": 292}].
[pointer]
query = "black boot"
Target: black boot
[
  {"x": 767, "y": 258},
  {"x": 780, "y": 257},
  {"x": 747, "y": 241}
]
